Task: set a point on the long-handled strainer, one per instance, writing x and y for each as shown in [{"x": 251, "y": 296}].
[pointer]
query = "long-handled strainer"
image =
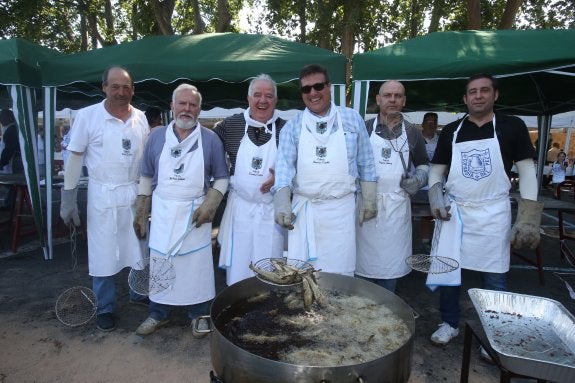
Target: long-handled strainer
[
  {"x": 152, "y": 275},
  {"x": 76, "y": 306},
  {"x": 281, "y": 271},
  {"x": 432, "y": 264}
]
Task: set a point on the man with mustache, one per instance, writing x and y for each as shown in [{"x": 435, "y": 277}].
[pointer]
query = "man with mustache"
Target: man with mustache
[
  {"x": 110, "y": 136},
  {"x": 179, "y": 162},
  {"x": 248, "y": 232},
  {"x": 476, "y": 154}
]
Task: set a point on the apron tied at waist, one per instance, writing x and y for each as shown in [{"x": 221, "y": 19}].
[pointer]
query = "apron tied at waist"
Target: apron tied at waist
[{"x": 303, "y": 211}]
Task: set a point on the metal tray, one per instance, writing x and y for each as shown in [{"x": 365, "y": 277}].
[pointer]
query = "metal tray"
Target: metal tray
[{"x": 532, "y": 336}]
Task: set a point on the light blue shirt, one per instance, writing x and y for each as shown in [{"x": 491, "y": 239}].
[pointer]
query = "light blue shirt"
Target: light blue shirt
[{"x": 359, "y": 153}]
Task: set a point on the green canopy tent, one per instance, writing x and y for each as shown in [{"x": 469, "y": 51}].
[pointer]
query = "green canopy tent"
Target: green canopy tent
[
  {"x": 20, "y": 75},
  {"x": 535, "y": 68},
  {"x": 219, "y": 64}
]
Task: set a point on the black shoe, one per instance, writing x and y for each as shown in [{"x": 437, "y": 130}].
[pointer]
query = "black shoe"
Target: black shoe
[
  {"x": 141, "y": 302},
  {"x": 106, "y": 322}
]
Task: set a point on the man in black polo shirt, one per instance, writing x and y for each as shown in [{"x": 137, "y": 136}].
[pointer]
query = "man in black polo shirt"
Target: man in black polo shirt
[
  {"x": 248, "y": 232},
  {"x": 476, "y": 154}
]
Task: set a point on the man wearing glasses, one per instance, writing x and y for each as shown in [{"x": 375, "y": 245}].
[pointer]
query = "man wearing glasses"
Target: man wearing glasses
[
  {"x": 384, "y": 243},
  {"x": 323, "y": 151}
]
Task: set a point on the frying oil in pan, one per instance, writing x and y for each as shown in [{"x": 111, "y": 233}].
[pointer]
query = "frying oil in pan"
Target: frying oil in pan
[{"x": 347, "y": 330}]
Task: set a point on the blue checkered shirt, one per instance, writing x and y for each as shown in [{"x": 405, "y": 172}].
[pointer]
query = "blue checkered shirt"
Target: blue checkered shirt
[{"x": 359, "y": 152}]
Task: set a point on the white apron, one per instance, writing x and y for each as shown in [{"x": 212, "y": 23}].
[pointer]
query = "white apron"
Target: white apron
[
  {"x": 324, "y": 200},
  {"x": 179, "y": 193},
  {"x": 384, "y": 243},
  {"x": 112, "y": 191},
  {"x": 248, "y": 231},
  {"x": 478, "y": 189}
]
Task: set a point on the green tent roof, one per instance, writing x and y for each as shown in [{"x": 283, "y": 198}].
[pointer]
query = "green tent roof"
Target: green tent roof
[
  {"x": 218, "y": 64},
  {"x": 19, "y": 61},
  {"x": 536, "y": 68}
]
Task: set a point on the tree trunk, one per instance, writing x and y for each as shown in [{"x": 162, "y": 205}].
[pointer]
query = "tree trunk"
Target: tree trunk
[
  {"x": 508, "y": 18},
  {"x": 436, "y": 12},
  {"x": 199, "y": 25},
  {"x": 224, "y": 17},
  {"x": 84, "y": 31},
  {"x": 351, "y": 11},
  {"x": 474, "y": 14},
  {"x": 414, "y": 19},
  {"x": 303, "y": 20},
  {"x": 109, "y": 18},
  {"x": 163, "y": 12}
]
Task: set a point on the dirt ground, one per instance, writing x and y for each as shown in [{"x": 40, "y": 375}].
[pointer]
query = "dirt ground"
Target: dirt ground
[{"x": 36, "y": 347}]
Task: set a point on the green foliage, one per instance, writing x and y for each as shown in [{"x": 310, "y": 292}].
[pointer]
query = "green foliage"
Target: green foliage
[{"x": 369, "y": 23}]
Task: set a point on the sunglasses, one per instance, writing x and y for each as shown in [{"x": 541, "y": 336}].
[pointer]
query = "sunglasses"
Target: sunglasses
[{"x": 317, "y": 86}]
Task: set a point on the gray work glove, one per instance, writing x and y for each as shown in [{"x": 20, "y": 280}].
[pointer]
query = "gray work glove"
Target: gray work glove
[
  {"x": 368, "y": 208},
  {"x": 141, "y": 220},
  {"x": 207, "y": 210},
  {"x": 412, "y": 184},
  {"x": 437, "y": 204},
  {"x": 282, "y": 206},
  {"x": 69, "y": 207},
  {"x": 525, "y": 231}
]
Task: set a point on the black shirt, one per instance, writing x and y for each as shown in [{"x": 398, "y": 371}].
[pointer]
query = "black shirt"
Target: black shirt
[{"x": 512, "y": 134}]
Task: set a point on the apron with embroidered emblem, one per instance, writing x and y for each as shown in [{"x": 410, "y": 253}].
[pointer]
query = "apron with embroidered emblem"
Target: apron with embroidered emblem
[{"x": 180, "y": 191}]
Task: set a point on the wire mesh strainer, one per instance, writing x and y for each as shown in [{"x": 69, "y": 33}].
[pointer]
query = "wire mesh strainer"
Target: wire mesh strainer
[{"x": 281, "y": 271}]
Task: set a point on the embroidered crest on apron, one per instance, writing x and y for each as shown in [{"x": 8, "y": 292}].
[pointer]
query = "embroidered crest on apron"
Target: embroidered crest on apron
[
  {"x": 384, "y": 243},
  {"x": 324, "y": 200},
  {"x": 248, "y": 231},
  {"x": 112, "y": 190},
  {"x": 478, "y": 188},
  {"x": 179, "y": 193}
]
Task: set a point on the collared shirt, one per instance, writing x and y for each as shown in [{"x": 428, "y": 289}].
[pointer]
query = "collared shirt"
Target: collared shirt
[
  {"x": 359, "y": 153},
  {"x": 417, "y": 153}
]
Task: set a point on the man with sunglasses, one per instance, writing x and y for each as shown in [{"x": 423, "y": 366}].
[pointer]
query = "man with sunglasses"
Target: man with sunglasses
[
  {"x": 323, "y": 152},
  {"x": 384, "y": 243}
]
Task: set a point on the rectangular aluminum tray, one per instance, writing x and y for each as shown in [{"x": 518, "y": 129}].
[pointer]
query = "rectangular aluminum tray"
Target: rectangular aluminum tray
[{"x": 532, "y": 336}]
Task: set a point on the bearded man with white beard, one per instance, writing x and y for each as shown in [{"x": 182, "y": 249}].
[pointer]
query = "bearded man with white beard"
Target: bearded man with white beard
[{"x": 179, "y": 162}]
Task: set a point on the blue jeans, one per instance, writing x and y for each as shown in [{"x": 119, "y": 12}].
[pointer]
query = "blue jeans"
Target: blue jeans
[
  {"x": 449, "y": 296},
  {"x": 388, "y": 284},
  {"x": 160, "y": 311},
  {"x": 105, "y": 291}
]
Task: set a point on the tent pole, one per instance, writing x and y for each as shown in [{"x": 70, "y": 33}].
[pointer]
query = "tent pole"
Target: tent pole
[{"x": 543, "y": 126}]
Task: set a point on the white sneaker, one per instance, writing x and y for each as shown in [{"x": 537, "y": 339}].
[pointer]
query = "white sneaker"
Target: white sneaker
[
  {"x": 150, "y": 325},
  {"x": 200, "y": 329},
  {"x": 444, "y": 334}
]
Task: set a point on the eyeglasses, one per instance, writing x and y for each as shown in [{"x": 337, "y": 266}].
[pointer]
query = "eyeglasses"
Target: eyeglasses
[{"x": 317, "y": 86}]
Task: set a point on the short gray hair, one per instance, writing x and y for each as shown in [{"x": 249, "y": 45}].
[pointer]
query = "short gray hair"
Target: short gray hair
[
  {"x": 262, "y": 77},
  {"x": 184, "y": 86}
]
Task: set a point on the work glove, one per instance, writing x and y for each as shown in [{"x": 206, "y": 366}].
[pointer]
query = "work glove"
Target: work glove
[
  {"x": 207, "y": 210},
  {"x": 141, "y": 220},
  {"x": 525, "y": 231},
  {"x": 282, "y": 207},
  {"x": 69, "y": 207},
  {"x": 412, "y": 184},
  {"x": 368, "y": 208},
  {"x": 439, "y": 207}
]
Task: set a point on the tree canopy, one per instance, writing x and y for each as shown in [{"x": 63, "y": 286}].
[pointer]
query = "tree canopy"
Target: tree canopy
[{"x": 344, "y": 26}]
